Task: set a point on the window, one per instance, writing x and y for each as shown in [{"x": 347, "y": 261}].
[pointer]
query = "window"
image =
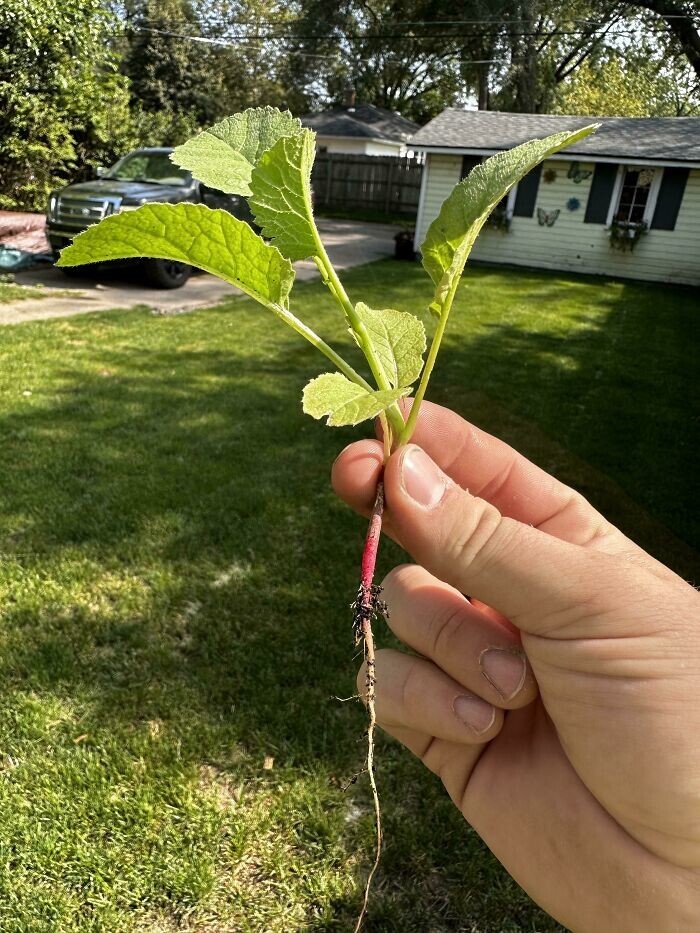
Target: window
[
  {"x": 153, "y": 168},
  {"x": 634, "y": 200},
  {"x": 634, "y": 195}
]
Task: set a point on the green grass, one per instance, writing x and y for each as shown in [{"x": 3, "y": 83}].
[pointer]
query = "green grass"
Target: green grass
[
  {"x": 9, "y": 291},
  {"x": 175, "y": 585}
]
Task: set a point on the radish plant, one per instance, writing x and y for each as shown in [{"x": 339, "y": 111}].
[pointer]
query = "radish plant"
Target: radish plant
[{"x": 266, "y": 155}]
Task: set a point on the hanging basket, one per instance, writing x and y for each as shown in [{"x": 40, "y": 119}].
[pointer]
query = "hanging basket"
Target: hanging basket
[{"x": 625, "y": 235}]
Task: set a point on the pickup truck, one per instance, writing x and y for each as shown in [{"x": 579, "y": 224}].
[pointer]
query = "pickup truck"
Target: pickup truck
[{"x": 141, "y": 177}]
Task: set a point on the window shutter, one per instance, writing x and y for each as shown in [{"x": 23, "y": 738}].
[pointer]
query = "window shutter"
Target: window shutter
[
  {"x": 600, "y": 194},
  {"x": 468, "y": 163},
  {"x": 670, "y": 196},
  {"x": 526, "y": 195}
]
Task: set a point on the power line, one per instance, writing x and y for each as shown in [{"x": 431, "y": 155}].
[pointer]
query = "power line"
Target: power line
[
  {"x": 444, "y": 22},
  {"x": 327, "y": 57},
  {"x": 268, "y": 37}
]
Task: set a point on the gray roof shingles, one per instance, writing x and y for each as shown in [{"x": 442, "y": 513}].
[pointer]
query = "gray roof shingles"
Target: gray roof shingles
[
  {"x": 675, "y": 139},
  {"x": 365, "y": 121}
]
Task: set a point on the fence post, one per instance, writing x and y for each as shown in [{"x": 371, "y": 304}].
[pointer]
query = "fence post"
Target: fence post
[
  {"x": 390, "y": 178},
  {"x": 329, "y": 178}
]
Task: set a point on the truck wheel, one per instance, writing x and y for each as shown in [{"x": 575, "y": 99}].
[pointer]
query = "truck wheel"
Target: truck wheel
[{"x": 165, "y": 273}]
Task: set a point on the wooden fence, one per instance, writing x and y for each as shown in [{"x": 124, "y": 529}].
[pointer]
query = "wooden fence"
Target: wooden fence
[{"x": 387, "y": 184}]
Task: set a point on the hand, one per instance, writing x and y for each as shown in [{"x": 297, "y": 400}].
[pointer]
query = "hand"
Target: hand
[{"x": 560, "y": 701}]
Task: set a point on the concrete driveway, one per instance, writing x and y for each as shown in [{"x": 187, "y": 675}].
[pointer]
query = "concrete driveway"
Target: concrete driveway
[{"x": 349, "y": 243}]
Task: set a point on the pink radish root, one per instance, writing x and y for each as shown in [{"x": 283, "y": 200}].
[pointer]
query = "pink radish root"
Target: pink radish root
[{"x": 367, "y": 607}]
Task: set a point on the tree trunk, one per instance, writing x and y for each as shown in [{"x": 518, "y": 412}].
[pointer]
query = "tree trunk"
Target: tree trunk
[
  {"x": 679, "y": 20},
  {"x": 483, "y": 86}
]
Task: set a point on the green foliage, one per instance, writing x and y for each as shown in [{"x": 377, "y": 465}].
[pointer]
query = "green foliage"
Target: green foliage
[
  {"x": 624, "y": 236},
  {"x": 224, "y": 155},
  {"x": 281, "y": 195},
  {"x": 63, "y": 106},
  {"x": 643, "y": 85},
  {"x": 264, "y": 152},
  {"x": 451, "y": 235},
  {"x": 343, "y": 401},
  {"x": 398, "y": 339},
  {"x": 171, "y": 78},
  {"x": 212, "y": 240}
]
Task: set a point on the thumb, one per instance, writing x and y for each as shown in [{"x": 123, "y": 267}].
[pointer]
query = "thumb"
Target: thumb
[{"x": 543, "y": 585}]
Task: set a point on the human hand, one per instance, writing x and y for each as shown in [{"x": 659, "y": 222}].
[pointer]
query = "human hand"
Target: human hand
[{"x": 561, "y": 706}]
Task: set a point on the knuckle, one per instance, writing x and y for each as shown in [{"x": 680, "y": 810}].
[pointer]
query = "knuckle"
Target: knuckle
[
  {"x": 410, "y": 684},
  {"x": 442, "y": 631},
  {"x": 482, "y": 538}
]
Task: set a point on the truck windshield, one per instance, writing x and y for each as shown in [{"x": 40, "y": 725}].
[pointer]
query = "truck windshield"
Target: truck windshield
[{"x": 152, "y": 167}]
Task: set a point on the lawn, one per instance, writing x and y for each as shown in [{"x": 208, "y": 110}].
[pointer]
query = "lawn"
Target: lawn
[
  {"x": 10, "y": 291},
  {"x": 175, "y": 586}
]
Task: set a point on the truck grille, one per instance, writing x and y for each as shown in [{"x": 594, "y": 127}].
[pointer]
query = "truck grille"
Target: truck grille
[{"x": 72, "y": 212}]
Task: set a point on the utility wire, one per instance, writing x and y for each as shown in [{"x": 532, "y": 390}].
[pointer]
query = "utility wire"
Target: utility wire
[
  {"x": 231, "y": 40},
  {"x": 445, "y": 22},
  {"x": 328, "y": 57}
]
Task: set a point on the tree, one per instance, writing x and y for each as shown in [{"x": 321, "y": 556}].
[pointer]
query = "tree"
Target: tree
[
  {"x": 545, "y": 42},
  {"x": 172, "y": 89},
  {"x": 643, "y": 86},
  {"x": 374, "y": 47},
  {"x": 681, "y": 20},
  {"x": 192, "y": 62},
  {"x": 63, "y": 104}
]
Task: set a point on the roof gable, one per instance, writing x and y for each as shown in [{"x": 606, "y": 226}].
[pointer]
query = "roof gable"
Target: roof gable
[{"x": 675, "y": 139}]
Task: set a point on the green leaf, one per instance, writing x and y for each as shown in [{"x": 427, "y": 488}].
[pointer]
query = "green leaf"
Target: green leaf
[
  {"x": 398, "y": 339},
  {"x": 224, "y": 155},
  {"x": 451, "y": 235},
  {"x": 281, "y": 199},
  {"x": 212, "y": 240},
  {"x": 343, "y": 401}
]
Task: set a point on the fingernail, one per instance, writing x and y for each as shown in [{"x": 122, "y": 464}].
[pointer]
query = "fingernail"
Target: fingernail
[
  {"x": 421, "y": 479},
  {"x": 474, "y": 712},
  {"x": 505, "y": 670}
]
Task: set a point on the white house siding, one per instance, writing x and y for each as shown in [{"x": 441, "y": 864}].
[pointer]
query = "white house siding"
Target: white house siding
[
  {"x": 570, "y": 244},
  {"x": 354, "y": 146},
  {"x": 440, "y": 174}
]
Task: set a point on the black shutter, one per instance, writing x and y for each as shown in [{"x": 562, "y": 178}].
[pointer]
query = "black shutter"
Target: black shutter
[
  {"x": 670, "y": 197},
  {"x": 601, "y": 191},
  {"x": 526, "y": 195},
  {"x": 468, "y": 163}
]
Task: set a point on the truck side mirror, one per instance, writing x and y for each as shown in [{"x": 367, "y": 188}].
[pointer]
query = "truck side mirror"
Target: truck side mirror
[{"x": 100, "y": 171}]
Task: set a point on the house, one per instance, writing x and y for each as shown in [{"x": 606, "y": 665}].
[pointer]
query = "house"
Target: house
[
  {"x": 362, "y": 130},
  {"x": 622, "y": 202}
]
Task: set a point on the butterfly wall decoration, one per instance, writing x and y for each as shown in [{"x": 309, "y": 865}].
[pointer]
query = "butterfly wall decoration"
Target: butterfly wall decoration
[
  {"x": 547, "y": 218},
  {"x": 577, "y": 174}
]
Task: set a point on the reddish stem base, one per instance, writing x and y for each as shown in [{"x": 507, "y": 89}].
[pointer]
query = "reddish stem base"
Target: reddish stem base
[{"x": 368, "y": 607}]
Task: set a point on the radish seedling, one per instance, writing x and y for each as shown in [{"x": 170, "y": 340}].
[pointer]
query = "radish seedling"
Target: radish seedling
[{"x": 266, "y": 155}]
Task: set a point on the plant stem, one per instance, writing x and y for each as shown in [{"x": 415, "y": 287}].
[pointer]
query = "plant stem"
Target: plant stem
[
  {"x": 330, "y": 277},
  {"x": 367, "y": 607},
  {"x": 320, "y": 344},
  {"x": 410, "y": 425}
]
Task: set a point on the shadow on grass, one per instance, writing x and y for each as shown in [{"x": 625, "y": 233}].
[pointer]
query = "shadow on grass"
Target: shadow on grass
[
  {"x": 619, "y": 392},
  {"x": 178, "y": 558},
  {"x": 210, "y": 497},
  {"x": 175, "y": 553}
]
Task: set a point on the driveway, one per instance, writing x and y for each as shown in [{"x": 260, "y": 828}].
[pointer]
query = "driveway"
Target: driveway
[{"x": 349, "y": 243}]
